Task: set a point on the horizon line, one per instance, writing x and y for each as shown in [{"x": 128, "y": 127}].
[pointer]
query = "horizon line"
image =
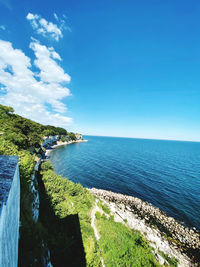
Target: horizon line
[{"x": 143, "y": 138}]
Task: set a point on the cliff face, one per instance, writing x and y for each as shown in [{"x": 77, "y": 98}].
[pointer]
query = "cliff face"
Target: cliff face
[
  {"x": 9, "y": 210},
  {"x": 78, "y": 136}
]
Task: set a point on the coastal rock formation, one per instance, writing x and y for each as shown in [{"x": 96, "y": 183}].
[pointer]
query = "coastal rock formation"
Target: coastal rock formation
[
  {"x": 78, "y": 136},
  {"x": 181, "y": 237}
]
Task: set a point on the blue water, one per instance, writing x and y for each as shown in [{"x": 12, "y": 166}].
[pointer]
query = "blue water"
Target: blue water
[{"x": 164, "y": 173}]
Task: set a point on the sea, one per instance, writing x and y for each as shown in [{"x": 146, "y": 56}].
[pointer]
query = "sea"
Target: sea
[{"x": 161, "y": 172}]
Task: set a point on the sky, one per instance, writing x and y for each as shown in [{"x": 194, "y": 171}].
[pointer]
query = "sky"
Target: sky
[{"x": 104, "y": 67}]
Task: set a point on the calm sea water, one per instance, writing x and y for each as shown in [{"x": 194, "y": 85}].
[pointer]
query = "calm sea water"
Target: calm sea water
[{"x": 164, "y": 173}]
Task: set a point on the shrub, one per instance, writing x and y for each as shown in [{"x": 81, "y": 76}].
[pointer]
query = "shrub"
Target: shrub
[
  {"x": 45, "y": 166},
  {"x": 72, "y": 136}
]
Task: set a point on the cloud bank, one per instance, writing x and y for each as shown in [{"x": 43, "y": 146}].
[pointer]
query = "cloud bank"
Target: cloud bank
[
  {"x": 36, "y": 94},
  {"x": 44, "y": 27}
]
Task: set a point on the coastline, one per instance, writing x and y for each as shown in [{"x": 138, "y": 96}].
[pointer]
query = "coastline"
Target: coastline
[
  {"x": 164, "y": 233},
  {"x": 59, "y": 143}
]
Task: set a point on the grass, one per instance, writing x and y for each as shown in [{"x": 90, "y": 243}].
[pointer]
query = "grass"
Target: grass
[
  {"x": 172, "y": 261},
  {"x": 121, "y": 246},
  {"x": 72, "y": 204},
  {"x": 64, "y": 223},
  {"x": 66, "y": 199},
  {"x": 104, "y": 207}
]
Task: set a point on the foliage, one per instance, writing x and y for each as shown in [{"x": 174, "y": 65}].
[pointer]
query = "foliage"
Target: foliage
[
  {"x": 23, "y": 137},
  {"x": 172, "y": 261},
  {"x": 65, "y": 207},
  {"x": 98, "y": 215},
  {"x": 26, "y": 160},
  {"x": 104, "y": 207},
  {"x": 7, "y": 147},
  {"x": 52, "y": 130},
  {"x": 22, "y": 132},
  {"x": 67, "y": 199},
  {"x": 124, "y": 247},
  {"x": 4, "y": 110},
  {"x": 72, "y": 136},
  {"x": 45, "y": 166},
  {"x": 30, "y": 232},
  {"x": 64, "y": 138}
]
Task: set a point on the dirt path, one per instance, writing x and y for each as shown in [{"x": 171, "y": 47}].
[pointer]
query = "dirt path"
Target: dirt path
[
  {"x": 97, "y": 236},
  {"x": 123, "y": 213}
]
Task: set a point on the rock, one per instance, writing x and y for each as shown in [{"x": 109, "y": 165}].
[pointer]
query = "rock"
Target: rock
[
  {"x": 159, "y": 259},
  {"x": 189, "y": 238}
]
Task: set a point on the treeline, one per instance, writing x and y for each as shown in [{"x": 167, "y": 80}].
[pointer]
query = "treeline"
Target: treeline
[{"x": 25, "y": 133}]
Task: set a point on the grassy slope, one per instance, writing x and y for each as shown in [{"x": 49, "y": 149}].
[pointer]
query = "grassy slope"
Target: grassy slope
[
  {"x": 125, "y": 247},
  {"x": 69, "y": 199},
  {"x": 64, "y": 221},
  {"x": 118, "y": 245}
]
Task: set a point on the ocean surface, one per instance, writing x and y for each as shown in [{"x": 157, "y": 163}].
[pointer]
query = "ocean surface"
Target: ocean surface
[{"x": 164, "y": 173}]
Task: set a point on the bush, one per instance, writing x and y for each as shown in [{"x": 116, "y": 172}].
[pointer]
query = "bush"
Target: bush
[
  {"x": 7, "y": 147},
  {"x": 64, "y": 138},
  {"x": 45, "y": 166},
  {"x": 72, "y": 136}
]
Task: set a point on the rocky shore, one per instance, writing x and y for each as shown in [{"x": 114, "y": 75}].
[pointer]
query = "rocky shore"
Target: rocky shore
[
  {"x": 164, "y": 233},
  {"x": 60, "y": 143}
]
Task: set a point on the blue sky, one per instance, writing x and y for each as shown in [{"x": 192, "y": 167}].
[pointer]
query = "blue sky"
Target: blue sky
[{"x": 109, "y": 67}]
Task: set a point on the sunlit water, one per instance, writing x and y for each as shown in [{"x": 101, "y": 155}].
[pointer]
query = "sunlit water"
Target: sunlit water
[{"x": 164, "y": 173}]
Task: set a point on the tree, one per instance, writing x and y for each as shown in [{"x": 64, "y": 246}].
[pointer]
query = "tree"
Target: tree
[
  {"x": 4, "y": 110},
  {"x": 72, "y": 136}
]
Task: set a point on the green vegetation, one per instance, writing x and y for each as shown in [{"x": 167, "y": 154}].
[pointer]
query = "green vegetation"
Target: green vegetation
[
  {"x": 22, "y": 137},
  {"x": 45, "y": 166},
  {"x": 123, "y": 247},
  {"x": 64, "y": 138},
  {"x": 66, "y": 199},
  {"x": 64, "y": 224},
  {"x": 72, "y": 136},
  {"x": 172, "y": 261},
  {"x": 22, "y": 132},
  {"x": 30, "y": 245},
  {"x": 104, "y": 207}
]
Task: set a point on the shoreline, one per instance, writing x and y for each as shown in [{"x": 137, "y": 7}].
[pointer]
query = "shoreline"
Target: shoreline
[
  {"x": 163, "y": 233},
  {"x": 48, "y": 151}
]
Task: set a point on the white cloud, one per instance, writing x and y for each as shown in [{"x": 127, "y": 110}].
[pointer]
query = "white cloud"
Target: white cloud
[
  {"x": 33, "y": 95},
  {"x": 32, "y": 17},
  {"x": 2, "y": 27},
  {"x": 55, "y": 16},
  {"x": 45, "y": 28},
  {"x": 50, "y": 72}
]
